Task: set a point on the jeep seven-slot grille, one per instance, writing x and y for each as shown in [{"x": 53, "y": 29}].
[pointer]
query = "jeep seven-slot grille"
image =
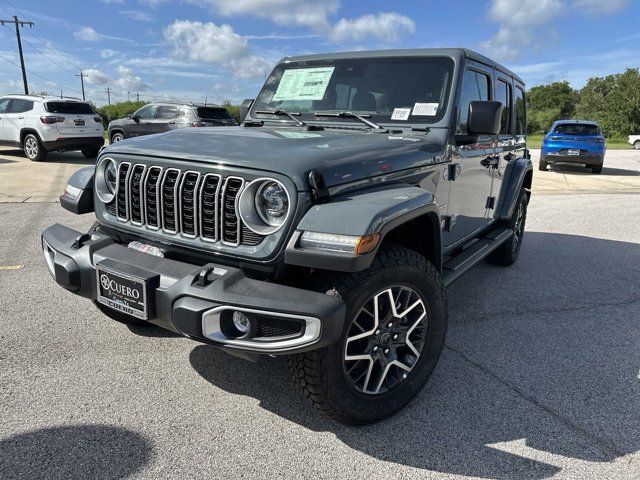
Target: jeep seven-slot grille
[{"x": 188, "y": 203}]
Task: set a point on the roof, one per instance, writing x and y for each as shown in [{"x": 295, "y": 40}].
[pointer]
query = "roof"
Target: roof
[
  {"x": 46, "y": 98},
  {"x": 584, "y": 122},
  {"x": 191, "y": 104},
  {"x": 408, "y": 52}
]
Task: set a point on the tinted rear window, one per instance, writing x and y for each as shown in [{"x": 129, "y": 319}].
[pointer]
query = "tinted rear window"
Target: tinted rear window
[
  {"x": 69, "y": 107},
  {"x": 577, "y": 129},
  {"x": 215, "y": 113}
]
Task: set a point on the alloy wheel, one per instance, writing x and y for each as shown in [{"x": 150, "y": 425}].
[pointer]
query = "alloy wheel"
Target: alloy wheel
[
  {"x": 385, "y": 340},
  {"x": 518, "y": 228},
  {"x": 31, "y": 147}
]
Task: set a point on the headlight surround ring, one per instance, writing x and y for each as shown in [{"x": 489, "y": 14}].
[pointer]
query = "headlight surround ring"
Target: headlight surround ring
[
  {"x": 252, "y": 210},
  {"x": 106, "y": 182}
]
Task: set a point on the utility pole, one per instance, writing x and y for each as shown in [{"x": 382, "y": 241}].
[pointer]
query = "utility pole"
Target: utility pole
[
  {"x": 137, "y": 96},
  {"x": 128, "y": 96},
  {"x": 18, "y": 24},
  {"x": 108, "y": 94},
  {"x": 81, "y": 75}
]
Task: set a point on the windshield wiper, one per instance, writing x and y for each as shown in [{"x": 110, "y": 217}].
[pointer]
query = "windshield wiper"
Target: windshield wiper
[
  {"x": 300, "y": 123},
  {"x": 362, "y": 118}
]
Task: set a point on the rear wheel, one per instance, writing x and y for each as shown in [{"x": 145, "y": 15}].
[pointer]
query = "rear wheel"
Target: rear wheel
[
  {"x": 393, "y": 334},
  {"x": 90, "y": 152},
  {"x": 636, "y": 144},
  {"x": 117, "y": 137},
  {"x": 507, "y": 253},
  {"x": 596, "y": 169},
  {"x": 33, "y": 148},
  {"x": 542, "y": 165}
]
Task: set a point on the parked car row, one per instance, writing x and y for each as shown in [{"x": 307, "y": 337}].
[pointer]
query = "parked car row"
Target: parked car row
[{"x": 40, "y": 124}]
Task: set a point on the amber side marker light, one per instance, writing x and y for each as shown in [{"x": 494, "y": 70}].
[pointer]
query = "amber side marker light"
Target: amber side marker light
[{"x": 367, "y": 243}]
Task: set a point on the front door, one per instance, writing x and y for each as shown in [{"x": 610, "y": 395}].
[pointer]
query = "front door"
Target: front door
[
  {"x": 166, "y": 116},
  {"x": 471, "y": 164},
  {"x": 144, "y": 125}
]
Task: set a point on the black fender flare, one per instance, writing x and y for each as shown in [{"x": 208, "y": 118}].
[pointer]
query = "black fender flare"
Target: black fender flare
[
  {"x": 375, "y": 210},
  {"x": 517, "y": 175},
  {"x": 79, "y": 198}
]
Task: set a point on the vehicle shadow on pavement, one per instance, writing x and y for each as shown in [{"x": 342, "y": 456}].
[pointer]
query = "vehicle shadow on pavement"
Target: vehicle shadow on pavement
[
  {"x": 614, "y": 172},
  {"x": 72, "y": 158},
  {"x": 74, "y": 452},
  {"x": 540, "y": 369}
]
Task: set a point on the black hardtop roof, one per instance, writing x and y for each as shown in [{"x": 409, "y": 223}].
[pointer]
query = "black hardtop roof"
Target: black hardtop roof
[{"x": 408, "y": 52}]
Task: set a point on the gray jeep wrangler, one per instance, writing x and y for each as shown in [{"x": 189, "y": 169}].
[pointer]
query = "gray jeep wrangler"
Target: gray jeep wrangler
[{"x": 325, "y": 227}]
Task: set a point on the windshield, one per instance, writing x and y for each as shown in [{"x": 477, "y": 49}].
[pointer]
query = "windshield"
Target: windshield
[
  {"x": 212, "y": 112},
  {"x": 397, "y": 90},
  {"x": 69, "y": 107},
  {"x": 577, "y": 129}
]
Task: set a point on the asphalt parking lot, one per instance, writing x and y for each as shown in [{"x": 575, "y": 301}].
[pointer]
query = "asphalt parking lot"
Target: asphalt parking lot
[{"x": 540, "y": 374}]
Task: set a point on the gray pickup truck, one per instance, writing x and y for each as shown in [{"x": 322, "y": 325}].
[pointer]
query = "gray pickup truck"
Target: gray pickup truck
[{"x": 324, "y": 228}]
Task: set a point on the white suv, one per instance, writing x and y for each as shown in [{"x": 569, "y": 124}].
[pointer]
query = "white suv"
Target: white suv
[
  {"x": 635, "y": 141},
  {"x": 39, "y": 124}
]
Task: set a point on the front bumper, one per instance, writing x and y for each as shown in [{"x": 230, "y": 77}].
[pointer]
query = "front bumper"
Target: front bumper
[
  {"x": 191, "y": 299},
  {"x": 73, "y": 143}
]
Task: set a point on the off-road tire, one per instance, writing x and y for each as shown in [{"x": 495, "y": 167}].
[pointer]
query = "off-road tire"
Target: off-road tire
[
  {"x": 542, "y": 165},
  {"x": 596, "y": 169},
  {"x": 33, "y": 149},
  {"x": 116, "y": 137},
  {"x": 91, "y": 152},
  {"x": 320, "y": 374},
  {"x": 507, "y": 253}
]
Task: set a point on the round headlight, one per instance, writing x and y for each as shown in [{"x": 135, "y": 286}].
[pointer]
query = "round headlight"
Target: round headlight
[
  {"x": 106, "y": 179},
  {"x": 264, "y": 206},
  {"x": 272, "y": 203}
]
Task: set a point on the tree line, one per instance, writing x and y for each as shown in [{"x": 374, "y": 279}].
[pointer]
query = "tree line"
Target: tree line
[{"x": 613, "y": 101}]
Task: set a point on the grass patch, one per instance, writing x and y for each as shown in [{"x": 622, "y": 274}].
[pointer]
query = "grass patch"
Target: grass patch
[{"x": 534, "y": 141}]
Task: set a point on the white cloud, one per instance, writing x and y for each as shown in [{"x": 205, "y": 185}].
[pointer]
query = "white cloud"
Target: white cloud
[
  {"x": 301, "y": 13},
  {"x": 96, "y": 77},
  {"x": 128, "y": 81},
  {"x": 388, "y": 27},
  {"x": 251, "y": 66},
  {"x": 87, "y": 34},
  {"x": 205, "y": 42},
  {"x": 599, "y": 6},
  {"x": 137, "y": 15},
  {"x": 108, "y": 53}
]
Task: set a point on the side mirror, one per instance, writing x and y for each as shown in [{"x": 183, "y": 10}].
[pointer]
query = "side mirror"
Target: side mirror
[
  {"x": 136, "y": 118},
  {"x": 244, "y": 108},
  {"x": 484, "y": 118}
]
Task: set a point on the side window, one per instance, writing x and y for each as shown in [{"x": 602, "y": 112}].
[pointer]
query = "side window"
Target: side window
[
  {"x": 4, "y": 103},
  {"x": 166, "y": 112},
  {"x": 503, "y": 94},
  {"x": 520, "y": 115},
  {"x": 20, "y": 106},
  {"x": 475, "y": 86},
  {"x": 147, "y": 113}
]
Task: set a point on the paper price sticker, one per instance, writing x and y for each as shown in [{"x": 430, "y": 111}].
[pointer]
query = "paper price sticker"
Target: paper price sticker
[
  {"x": 400, "y": 113},
  {"x": 425, "y": 109}
]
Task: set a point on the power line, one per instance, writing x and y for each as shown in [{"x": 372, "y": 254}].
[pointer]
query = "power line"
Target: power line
[
  {"x": 18, "y": 24},
  {"x": 31, "y": 72}
]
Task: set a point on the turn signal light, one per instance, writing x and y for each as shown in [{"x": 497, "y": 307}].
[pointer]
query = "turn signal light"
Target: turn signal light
[{"x": 367, "y": 243}]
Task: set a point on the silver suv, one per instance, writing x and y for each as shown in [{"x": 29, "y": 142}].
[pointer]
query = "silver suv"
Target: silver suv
[{"x": 41, "y": 124}]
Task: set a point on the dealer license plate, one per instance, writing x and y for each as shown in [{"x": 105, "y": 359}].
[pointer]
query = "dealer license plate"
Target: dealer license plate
[
  {"x": 122, "y": 291},
  {"x": 573, "y": 152}
]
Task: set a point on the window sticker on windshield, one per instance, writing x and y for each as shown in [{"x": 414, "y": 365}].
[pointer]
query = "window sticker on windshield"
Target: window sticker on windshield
[
  {"x": 303, "y": 84},
  {"x": 426, "y": 109},
  {"x": 400, "y": 113}
]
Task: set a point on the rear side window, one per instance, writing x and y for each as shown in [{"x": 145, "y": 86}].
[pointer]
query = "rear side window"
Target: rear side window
[
  {"x": 577, "y": 129},
  {"x": 520, "y": 116},
  {"x": 71, "y": 108},
  {"x": 4, "y": 103},
  {"x": 166, "y": 112},
  {"x": 215, "y": 113},
  {"x": 503, "y": 94},
  {"x": 475, "y": 87},
  {"x": 19, "y": 106}
]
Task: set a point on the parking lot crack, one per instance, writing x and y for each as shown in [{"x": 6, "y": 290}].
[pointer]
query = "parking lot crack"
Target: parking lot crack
[{"x": 605, "y": 445}]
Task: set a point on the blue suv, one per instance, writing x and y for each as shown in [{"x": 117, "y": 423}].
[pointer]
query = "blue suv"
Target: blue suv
[{"x": 573, "y": 141}]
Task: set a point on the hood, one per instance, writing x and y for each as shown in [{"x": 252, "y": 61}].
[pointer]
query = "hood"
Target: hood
[{"x": 340, "y": 156}]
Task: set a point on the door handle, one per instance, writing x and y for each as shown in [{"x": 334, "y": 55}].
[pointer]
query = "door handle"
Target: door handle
[
  {"x": 20, "y": 118},
  {"x": 489, "y": 162},
  {"x": 172, "y": 123},
  {"x": 509, "y": 156},
  {"x": 147, "y": 123}
]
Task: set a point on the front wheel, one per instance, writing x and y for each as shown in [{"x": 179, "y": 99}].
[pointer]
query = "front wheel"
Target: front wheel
[
  {"x": 117, "y": 137},
  {"x": 394, "y": 332},
  {"x": 33, "y": 148},
  {"x": 90, "y": 152}
]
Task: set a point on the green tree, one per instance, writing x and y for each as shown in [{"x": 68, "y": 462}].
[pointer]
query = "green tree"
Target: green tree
[
  {"x": 548, "y": 103},
  {"x": 234, "y": 110}
]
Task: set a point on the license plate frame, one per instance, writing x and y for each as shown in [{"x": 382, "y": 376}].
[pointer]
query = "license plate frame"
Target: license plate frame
[
  {"x": 123, "y": 300},
  {"x": 79, "y": 123},
  {"x": 573, "y": 152}
]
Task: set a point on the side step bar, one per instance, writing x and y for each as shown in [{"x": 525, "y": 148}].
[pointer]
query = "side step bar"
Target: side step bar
[{"x": 474, "y": 254}]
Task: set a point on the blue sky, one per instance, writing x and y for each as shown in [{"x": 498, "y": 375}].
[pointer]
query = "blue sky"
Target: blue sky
[{"x": 219, "y": 49}]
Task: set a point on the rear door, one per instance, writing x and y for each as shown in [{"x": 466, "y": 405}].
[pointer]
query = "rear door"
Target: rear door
[
  {"x": 13, "y": 119},
  {"x": 79, "y": 119},
  {"x": 4, "y": 104},
  {"x": 467, "y": 209},
  {"x": 166, "y": 116}
]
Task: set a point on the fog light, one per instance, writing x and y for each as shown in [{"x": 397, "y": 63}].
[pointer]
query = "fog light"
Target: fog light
[{"x": 241, "y": 322}]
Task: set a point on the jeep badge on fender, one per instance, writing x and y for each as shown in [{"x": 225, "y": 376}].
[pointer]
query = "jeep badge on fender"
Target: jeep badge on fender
[{"x": 325, "y": 227}]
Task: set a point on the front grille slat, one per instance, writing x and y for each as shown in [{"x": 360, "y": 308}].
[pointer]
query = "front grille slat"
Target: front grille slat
[{"x": 199, "y": 206}]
